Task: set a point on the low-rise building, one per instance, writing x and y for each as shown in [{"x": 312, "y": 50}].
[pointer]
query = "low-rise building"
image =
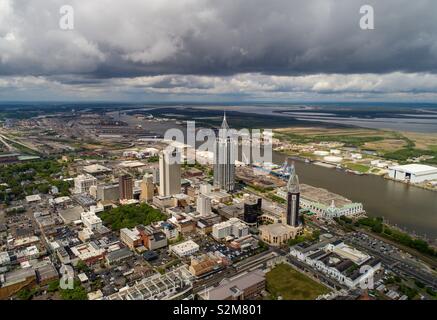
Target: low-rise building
[
  {"x": 233, "y": 228},
  {"x": 185, "y": 248},
  {"x": 95, "y": 169},
  {"x": 33, "y": 198},
  {"x": 131, "y": 237},
  {"x": 414, "y": 173},
  {"x": 277, "y": 234},
  {"x": 118, "y": 255},
  {"x": 4, "y": 259},
  {"x": 88, "y": 253},
  {"x": 170, "y": 230},
  {"x": 70, "y": 215},
  {"x": 241, "y": 287},
  {"x": 91, "y": 220},
  {"x": 339, "y": 261},
  {"x": 155, "y": 239},
  {"x": 164, "y": 202},
  {"x": 185, "y": 226},
  {"x": 325, "y": 203},
  {"x": 157, "y": 287},
  {"x": 46, "y": 272},
  {"x": 14, "y": 281},
  {"x": 219, "y": 196},
  {"x": 206, "y": 264}
]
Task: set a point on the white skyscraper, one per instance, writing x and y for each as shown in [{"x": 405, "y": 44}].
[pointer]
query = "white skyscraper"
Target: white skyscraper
[
  {"x": 203, "y": 205},
  {"x": 224, "y": 159},
  {"x": 169, "y": 173}
]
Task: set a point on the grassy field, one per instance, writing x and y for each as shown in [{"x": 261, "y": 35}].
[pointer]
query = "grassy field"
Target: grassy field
[
  {"x": 284, "y": 281},
  {"x": 392, "y": 145},
  {"x": 351, "y": 137},
  {"x": 357, "y": 167},
  {"x": 385, "y": 145}
]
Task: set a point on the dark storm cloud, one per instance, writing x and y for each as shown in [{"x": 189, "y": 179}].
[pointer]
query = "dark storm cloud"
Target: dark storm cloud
[
  {"x": 218, "y": 49},
  {"x": 284, "y": 37}
]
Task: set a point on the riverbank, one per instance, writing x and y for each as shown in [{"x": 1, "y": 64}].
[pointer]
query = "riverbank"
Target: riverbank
[
  {"x": 407, "y": 207},
  {"x": 359, "y": 151},
  {"x": 361, "y": 170}
]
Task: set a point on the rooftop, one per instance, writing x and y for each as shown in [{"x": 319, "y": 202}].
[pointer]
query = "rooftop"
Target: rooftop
[
  {"x": 415, "y": 168},
  {"x": 71, "y": 214},
  {"x": 234, "y": 286},
  {"x": 184, "y": 246},
  {"x": 33, "y": 198},
  {"x": 118, "y": 255},
  {"x": 96, "y": 168}
]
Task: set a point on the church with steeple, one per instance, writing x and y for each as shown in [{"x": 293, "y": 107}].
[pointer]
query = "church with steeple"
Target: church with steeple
[{"x": 224, "y": 158}]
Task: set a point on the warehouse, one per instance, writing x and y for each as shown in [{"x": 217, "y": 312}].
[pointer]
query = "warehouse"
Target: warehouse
[{"x": 414, "y": 173}]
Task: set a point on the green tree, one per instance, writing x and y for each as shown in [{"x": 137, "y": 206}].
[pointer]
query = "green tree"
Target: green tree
[
  {"x": 77, "y": 293},
  {"x": 25, "y": 294}
]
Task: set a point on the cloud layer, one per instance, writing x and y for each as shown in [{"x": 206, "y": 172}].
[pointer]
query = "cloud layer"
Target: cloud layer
[{"x": 245, "y": 48}]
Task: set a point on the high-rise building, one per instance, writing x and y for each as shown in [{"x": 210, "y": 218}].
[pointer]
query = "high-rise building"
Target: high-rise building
[
  {"x": 126, "y": 186},
  {"x": 108, "y": 192},
  {"x": 155, "y": 175},
  {"x": 252, "y": 210},
  {"x": 293, "y": 199},
  {"x": 224, "y": 158},
  {"x": 83, "y": 182},
  {"x": 169, "y": 173},
  {"x": 205, "y": 188},
  {"x": 147, "y": 188},
  {"x": 203, "y": 205}
]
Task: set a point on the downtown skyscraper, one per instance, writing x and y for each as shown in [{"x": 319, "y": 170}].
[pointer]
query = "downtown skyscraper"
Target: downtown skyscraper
[
  {"x": 169, "y": 173},
  {"x": 293, "y": 199},
  {"x": 125, "y": 185},
  {"x": 224, "y": 158}
]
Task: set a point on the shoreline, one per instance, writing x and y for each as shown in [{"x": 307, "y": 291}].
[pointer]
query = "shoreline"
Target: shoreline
[
  {"x": 346, "y": 170},
  {"x": 397, "y": 226}
]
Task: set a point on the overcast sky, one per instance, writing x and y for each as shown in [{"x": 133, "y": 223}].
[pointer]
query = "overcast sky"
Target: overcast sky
[{"x": 218, "y": 50}]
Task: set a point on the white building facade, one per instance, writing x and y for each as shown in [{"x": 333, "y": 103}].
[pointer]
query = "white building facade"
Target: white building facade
[
  {"x": 83, "y": 182},
  {"x": 234, "y": 227},
  {"x": 203, "y": 205},
  {"x": 414, "y": 173},
  {"x": 169, "y": 174}
]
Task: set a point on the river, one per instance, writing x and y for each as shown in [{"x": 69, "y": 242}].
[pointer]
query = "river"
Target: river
[{"x": 409, "y": 207}]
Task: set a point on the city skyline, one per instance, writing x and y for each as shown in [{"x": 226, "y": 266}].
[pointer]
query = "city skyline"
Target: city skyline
[{"x": 240, "y": 152}]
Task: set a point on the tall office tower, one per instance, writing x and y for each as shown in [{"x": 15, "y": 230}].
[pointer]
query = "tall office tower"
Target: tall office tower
[
  {"x": 147, "y": 188},
  {"x": 203, "y": 205},
  {"x": 293, "y": 199},
  {"x": 169, "y": 173},
  {"x": 155, "y": 175},
  {"x": 224, "y": 159},
  {"x": 126, "y": 187}
]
